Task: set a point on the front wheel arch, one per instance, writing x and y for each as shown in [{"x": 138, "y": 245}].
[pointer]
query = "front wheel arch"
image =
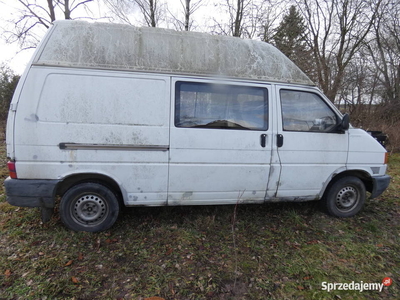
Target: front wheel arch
[
  {"x": 365, "y": 177},
  {"x": 345, "y": 196}
]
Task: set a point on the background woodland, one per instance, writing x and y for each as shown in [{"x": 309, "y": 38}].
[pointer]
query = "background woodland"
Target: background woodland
[{"x": 349, "y": 48}]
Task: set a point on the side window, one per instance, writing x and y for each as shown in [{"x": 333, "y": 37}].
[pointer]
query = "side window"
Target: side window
[
  {"x": 305, "y": 111},
  {"x": 204, "y": 105}
]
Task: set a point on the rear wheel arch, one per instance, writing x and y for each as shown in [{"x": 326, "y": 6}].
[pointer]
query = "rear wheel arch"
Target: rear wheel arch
[
  {"x": 89, "y": 206},
  {"x": 68, "y": 182}
]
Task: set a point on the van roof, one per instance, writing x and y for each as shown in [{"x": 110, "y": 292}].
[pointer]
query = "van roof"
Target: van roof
[{"x": 124, "y": 47}]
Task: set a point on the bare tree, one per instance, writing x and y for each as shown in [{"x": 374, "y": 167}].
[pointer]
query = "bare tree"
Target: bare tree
[
  {"x": 384, "y": 50},
  {"x": 121, "y": 9},
  {"x": 34, "y": 15},
  {"x": 240, "y": 18},
  {"x": 337, "y": 30},
  {"x": 258, "y": 13},
  {"x": 189, "y": 7},
  {"x": 151, "y": 10},
  {"x": 268, "y": 20},
  {"x": 370, "y": 88},
  {"x": 236, "y": 13},
  {"x": 357, "y": 94},
  {"x": 384, "y": 53}
]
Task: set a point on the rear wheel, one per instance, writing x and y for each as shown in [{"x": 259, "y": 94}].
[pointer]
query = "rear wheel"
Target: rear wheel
[
  {"x": 346, "y": 197},
  {"x": 89, "y": 207}
]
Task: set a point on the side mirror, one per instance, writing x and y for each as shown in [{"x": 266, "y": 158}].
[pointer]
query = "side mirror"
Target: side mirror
[{"x": 345, "y": 124}]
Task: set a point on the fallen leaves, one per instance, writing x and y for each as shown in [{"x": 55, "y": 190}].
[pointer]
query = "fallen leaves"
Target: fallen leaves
[
  {"x": 135, "y": 259},
  {"x": 74, "y": 279},
  {"x": 68, "y": 263},
  {"x": 111, "y": 241},
  {"x": 169, "y": 251}
]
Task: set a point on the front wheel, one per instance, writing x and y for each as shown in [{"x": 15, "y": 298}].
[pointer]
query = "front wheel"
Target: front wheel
[
  {"x": 346, "y": 197},
  {"x": 89, "y": 207}
]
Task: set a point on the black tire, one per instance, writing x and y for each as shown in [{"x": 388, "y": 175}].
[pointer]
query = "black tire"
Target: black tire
[
  {"x": 345, "y": 197},
  {"x": 89, "y": 207}
]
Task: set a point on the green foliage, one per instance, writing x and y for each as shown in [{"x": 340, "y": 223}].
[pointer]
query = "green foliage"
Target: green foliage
[
  {"x": 8, "y": 83},
  {"x": 290, "y": 38},
  {"x": 290, "y": 33}
]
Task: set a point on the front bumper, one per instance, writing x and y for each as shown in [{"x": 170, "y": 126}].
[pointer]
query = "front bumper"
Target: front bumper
[
  {"x": 380, "y": 184},
  {"x": 31, "y": 193}
]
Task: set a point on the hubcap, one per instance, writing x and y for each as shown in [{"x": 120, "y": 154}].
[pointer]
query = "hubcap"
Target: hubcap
[
  {"x": 347, "y": 198},
  {"x": 89, "y": 209}
]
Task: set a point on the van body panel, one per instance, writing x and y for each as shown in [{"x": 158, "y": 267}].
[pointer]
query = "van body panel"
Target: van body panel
[
  {"x": 127, "y": 48},
  {"x": 102, "y": 109},
  {"x": 97, "y": 111},
  {"x": 219, "y": 165},
  {"x": 365, "y": 153},
  {"x": 310, "y": 157},
  {"x": 313, "y": 153},
  {"x": 10, "y": 134}
]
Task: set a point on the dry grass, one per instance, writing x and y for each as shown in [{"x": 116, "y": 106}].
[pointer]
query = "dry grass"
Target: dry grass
[{"x": 280, "y": 251}]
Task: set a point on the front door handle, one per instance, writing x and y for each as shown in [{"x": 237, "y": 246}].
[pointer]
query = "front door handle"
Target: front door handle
[
  {"x": 263, "y": 140},
  {"x": 279, "y": 140}
]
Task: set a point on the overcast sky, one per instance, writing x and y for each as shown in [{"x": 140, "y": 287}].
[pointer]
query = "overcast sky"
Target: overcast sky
[
  {"x": 10, "y": 54},
  {"x": 17, "y": 60}
]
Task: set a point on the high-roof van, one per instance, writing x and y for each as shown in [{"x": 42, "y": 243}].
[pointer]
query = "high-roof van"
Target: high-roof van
[{"x": 107, "y": 115}]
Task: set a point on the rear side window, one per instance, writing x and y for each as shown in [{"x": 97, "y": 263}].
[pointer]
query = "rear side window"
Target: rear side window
[
  {"x": 305, "y": 111},
  {"x": 220, "y": 106}
]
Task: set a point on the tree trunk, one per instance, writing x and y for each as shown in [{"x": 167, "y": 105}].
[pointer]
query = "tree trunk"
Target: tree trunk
[
  {"x": 51, "y": 10},
  {"x": 153, "y": 7}
]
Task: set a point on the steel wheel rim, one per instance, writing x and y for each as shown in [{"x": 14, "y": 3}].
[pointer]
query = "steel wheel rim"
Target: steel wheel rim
[
  {"x": 89, "y": 209},
  {"x": 347, "y": 198}
]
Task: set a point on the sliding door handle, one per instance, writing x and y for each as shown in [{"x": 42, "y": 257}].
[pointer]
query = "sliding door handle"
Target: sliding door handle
[
  {"x": 263, "y": 140},
  {"x": 279, "y": 140}
]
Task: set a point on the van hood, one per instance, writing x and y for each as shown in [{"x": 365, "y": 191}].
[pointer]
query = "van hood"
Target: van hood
[{"x": 364, "y": 149}]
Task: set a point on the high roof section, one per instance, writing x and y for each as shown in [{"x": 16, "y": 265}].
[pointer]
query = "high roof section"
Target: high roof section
[{"x": 123, "y": 47}]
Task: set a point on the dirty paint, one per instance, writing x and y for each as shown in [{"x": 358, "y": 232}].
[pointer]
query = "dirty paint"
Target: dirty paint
[
  {"x": 187, "y": 195},
  {"x": 32, "y": 118},
  {"x": 124, "y": 47}
]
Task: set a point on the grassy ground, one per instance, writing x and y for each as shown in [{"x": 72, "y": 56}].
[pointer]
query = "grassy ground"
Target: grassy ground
[{"x": 274, "y": 251}]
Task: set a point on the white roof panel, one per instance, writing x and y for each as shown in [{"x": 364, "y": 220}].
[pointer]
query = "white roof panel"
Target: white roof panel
[{"x": 124, "y": 47}]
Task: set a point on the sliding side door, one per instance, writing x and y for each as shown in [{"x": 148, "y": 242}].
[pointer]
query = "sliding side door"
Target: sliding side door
[{"x": 220, "y": 142}]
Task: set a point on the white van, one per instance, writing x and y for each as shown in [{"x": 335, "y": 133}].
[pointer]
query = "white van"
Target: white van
[{"x": 108, "y": 115}]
